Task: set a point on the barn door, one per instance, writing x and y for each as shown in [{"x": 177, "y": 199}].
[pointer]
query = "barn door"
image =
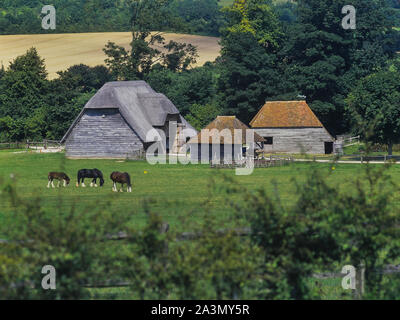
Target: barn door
[{"x": 328, "y": 147}]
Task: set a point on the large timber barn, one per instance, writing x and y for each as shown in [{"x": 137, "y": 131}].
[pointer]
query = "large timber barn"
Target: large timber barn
[
  {"x": 291, "y": 127},
  {"x": 115, "y": 122}
]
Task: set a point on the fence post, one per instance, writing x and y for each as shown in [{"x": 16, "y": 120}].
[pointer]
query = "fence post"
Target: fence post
[
  {"x": 45, "y": 144},
  {"x": 360, "y": 282}
]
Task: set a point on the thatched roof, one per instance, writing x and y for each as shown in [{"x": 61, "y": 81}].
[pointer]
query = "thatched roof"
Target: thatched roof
[
  {"x": 138, "y": 103},
  {"x": 222, "y": 123},
  {"x": 286, "y": 114}
]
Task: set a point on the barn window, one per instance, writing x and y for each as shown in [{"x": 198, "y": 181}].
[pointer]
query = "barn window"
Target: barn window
[{"x": 269, "y": 140}]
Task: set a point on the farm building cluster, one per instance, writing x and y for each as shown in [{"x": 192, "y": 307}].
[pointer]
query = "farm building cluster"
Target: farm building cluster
[{"x": 117, "y": 120}]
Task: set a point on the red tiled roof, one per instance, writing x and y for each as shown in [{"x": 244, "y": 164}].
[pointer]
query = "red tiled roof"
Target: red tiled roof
[{"x": 285, "y": 114}]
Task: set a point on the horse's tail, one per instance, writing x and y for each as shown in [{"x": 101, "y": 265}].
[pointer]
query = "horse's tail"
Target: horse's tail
[
  {"x": 79, "y": 177},
  {"x": 101, "y": 177},
  {"x": 128, "y": 179}
]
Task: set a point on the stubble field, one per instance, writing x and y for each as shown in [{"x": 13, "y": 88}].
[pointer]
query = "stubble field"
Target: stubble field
[{"x": 61, "y": 51}]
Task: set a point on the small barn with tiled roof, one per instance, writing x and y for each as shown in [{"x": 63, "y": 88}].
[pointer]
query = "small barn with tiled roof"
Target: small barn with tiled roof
[
  {"x": 291, "y": 127},
  {"x": 218, "y": 138}
]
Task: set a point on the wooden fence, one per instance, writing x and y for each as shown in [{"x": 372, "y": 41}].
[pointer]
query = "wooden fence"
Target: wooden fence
[
  {"x": 30, "y": 144},
  {"x": 12, "y": 145},
  {"x": 45, "y": 144},
  {"x": 258, "y": 162}
]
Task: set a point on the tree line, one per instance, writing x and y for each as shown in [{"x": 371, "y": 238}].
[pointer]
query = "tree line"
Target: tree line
[
  {"x": 349, "y": 77},
  {"x": 24, "y": 16}
]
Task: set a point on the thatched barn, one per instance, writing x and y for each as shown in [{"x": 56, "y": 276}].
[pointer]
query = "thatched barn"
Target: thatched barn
[
  {"x": 218, "y": 138},
  {"x": 291, "y": 127},
  {"x": 115, "y": 122}
]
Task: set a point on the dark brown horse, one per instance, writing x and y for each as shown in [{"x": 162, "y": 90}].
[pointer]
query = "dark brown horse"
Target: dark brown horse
[
  {"x": 60, "y": 176},
  {"x": 122, "y": 178}
]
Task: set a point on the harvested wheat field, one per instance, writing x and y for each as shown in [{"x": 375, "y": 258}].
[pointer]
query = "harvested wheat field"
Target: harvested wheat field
[{"x": 61, "y": 51}]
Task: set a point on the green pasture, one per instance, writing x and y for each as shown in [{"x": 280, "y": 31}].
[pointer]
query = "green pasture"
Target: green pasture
[{"x": 174, "y": 191}]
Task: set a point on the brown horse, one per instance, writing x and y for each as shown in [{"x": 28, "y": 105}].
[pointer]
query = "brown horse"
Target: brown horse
[
  {"x": 60, "y": 176},
  {"x": 122, "y": 178}
]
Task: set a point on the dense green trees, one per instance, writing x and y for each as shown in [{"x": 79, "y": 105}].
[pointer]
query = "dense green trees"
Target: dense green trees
[
  {"x": 325, "y": 61},
  {"x": 195, "y": 86},
  {"x": 312, "y": 56},
  {"x": 24, "y": 16},
  {"x": 263, "y": 57},
  {"x": 201, "y": 16},
  {"x": 32, "y": 107},
  {"x": 249, "y": 67},
  {"x": 23, "y": 89},
  {"x": 374, "y": 107}
]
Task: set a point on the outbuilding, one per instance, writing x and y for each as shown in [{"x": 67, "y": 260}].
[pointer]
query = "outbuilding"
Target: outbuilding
[
  {"x": 223, "y": 140},
  {"x": 291, "y": 127}
]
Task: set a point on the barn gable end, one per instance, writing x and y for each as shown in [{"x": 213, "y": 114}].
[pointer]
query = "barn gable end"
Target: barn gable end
[
  {"x": 102, "y": 134},
  {"x": 117, "y": 120}
]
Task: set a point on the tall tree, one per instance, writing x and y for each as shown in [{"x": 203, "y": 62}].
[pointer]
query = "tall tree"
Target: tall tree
[
  {"x": 145, "y": 52},
  {"x": 249, "y": 66},
  {"x": 23, "y": 86},
  {"x": 326, "y": 60},
  {"x": 374, "y": 107}
]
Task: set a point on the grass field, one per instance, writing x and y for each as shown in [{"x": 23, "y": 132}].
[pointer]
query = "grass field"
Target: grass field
[
  {"x": 184, "y": 188},
  {"x": 61, "y": 51}
]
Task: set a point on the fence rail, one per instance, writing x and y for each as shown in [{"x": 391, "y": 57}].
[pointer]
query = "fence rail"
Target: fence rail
[
  {"x": 348, "y": 140},
  {"x": 30, "y": 144},
  {"x": 43, "y": 144},
  {"x": 258, "y": 162},
  {"x": 12, "y": 145},
  {"x": 369, "y": 158}
]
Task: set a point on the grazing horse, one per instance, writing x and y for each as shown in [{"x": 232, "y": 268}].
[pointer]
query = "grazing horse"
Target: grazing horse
[
  {"x": 122, "y": 178},
  {"x": 92, "y": 174},
  {"x": 58, "y": 176}
]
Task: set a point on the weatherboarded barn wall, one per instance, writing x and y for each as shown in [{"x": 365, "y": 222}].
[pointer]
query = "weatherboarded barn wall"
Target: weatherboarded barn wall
[
  {"x": 102, "y": 134},
  {"x": 295, "y": 140}
]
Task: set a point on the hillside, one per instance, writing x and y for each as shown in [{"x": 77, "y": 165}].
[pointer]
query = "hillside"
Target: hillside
[{"x": 61, "y": 51}]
